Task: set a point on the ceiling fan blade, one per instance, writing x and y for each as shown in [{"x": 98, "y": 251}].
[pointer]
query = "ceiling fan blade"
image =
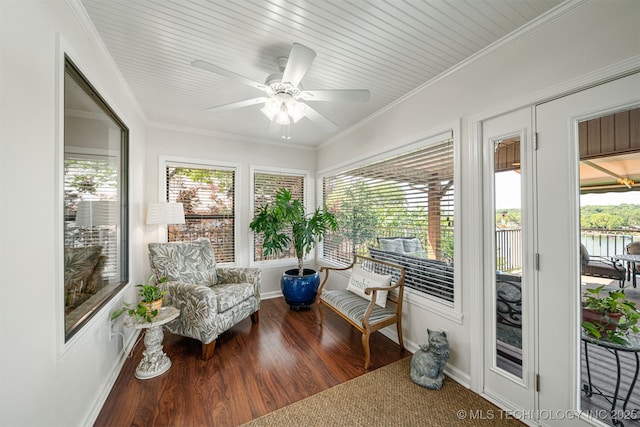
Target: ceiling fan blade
[
  {"x": 318, "y": 118},
  {"x": 203, "y": 65},
  {"x": 239, "y": 104},
  {"x": 347, "y": 95},
  {"x": 300, "y": 59}
]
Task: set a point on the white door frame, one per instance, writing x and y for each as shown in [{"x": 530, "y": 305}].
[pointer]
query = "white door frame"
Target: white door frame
[
  {"x": 559, "y": 217},
  {"x": 475, "y": 170},
  {"x": 511, "y": 392}
]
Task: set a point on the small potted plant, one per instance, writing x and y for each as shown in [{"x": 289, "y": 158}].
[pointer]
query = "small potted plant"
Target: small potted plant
[
  {"x": 610, "y": 316},
  {"x": 149, "y": 305}
]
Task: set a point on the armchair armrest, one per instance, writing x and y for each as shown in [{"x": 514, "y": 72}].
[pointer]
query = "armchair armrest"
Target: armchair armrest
[{"x": 198, "y": 309}]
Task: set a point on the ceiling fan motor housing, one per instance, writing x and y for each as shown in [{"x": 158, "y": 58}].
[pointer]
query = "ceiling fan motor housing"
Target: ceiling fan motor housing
[{"x": 275, "y": 85}]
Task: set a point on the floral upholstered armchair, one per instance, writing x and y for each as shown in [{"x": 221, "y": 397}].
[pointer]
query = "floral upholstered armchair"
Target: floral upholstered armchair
[{"x": 211, "y": 299}]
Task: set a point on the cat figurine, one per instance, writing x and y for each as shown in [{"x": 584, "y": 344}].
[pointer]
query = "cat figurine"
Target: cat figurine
[{"x": 428, "y": 362}]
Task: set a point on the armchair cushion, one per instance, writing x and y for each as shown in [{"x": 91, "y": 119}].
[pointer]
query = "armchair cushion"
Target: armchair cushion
[{"x": 231, "y": 294}]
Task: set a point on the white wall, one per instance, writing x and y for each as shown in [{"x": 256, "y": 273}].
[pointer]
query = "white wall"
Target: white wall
[
  {"x": 207, "y": 146},
  {"x": 595, "y": 35},
  {"x": 43, "y": 381}
]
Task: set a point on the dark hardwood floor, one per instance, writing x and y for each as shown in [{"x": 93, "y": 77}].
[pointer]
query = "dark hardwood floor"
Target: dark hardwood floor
[{"x": 255, "y": 370}]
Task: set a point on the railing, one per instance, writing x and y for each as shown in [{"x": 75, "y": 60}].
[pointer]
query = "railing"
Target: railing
[
  {"x": 599, "y": 242},
  {"x": 509, "y": 249},
  {"x": 607, "y": 243}
]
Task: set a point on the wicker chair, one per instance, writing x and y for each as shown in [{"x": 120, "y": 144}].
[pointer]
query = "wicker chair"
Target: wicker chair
[
  {"x": 211, "y": 299},
  {"x": 367, "y": 316}
]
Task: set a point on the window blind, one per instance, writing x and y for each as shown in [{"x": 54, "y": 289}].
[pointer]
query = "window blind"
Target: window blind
[
  {"x": 410, "y": 195},
  {"x": 265, "y": 186},
  {"x": 90, "y": 178},
  {"x": 208, "y": 196}
]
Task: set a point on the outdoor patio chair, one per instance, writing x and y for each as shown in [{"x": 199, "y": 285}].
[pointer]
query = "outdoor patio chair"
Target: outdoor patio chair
[
  {"x": 634, "y": 249},
  {"x": 600, "y": 266},
  {"x": 211, "y": 299}
]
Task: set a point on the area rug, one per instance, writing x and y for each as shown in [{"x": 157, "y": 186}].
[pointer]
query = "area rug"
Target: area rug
[{"x": 388, "y": 397}]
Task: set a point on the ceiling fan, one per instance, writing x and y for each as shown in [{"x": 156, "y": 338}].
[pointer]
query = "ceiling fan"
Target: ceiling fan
[{"x": 284, "y": 94}]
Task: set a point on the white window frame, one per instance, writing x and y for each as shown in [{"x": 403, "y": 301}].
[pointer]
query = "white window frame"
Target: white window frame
[
  {"x": 450, "y": 311},
  {"x": 186, "y": 162},
  {"x": 306, "y": 174}
]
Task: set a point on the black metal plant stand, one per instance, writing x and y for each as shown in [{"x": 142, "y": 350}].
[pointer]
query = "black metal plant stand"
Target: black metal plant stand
[{"x": 590, "y": 389}]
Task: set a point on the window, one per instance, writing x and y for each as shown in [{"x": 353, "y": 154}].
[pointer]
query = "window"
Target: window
[
  {"x": 265, "y": 186},
  {"x": 95, "y": 250},
  {"x": 208, "y": 195},
  {"x": 400, "y": 209}
]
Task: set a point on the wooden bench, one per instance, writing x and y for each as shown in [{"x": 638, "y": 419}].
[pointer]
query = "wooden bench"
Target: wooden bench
[{"x": 364, "y": 315}]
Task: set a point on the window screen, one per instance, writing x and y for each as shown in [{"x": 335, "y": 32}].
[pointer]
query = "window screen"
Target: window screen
[
  {"x": 208, "y": 196},
  {"x": 265, "y": 186},
  {"x": 400, "y": 209}
]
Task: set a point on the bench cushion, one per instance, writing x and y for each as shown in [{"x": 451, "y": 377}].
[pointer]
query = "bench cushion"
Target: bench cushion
[{"x": 354, "y": 306}]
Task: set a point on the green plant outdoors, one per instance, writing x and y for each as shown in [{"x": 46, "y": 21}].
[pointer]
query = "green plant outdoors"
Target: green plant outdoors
[
  {"x": 142, "y": 310},
  {"x": 615, "y": 302},
  {"x": 285, "y": 222}
]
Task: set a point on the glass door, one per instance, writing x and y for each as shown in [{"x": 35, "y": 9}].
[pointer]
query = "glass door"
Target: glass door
[
  {"x": 508, "y": 355},
  {"x": 558, "y": 182}
]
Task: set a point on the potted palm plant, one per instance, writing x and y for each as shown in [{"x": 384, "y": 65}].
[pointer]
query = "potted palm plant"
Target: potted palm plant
[
  {"x": 611, "y": 316},
  {"x": 285, "y": 224}
]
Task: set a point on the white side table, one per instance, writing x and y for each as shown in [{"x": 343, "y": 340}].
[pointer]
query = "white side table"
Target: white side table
[{"x": 154, "y": 362}]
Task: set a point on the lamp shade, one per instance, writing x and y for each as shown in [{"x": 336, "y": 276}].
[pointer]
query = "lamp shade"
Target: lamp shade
[
  {"x": 94, "y": 213},
  {"x": 165, "y": 213}
]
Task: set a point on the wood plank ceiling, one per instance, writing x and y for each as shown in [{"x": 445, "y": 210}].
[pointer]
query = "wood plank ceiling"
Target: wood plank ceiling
[{"x": 390, "y": 47}]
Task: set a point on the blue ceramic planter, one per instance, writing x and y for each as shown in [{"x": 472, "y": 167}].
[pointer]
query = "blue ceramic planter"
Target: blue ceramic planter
[{"x": 300, "y": 291}]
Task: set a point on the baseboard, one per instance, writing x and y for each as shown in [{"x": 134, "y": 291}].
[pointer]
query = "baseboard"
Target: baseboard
[
  {"x": 92, "y": 416},
  {"x": 270, "y": 295}
]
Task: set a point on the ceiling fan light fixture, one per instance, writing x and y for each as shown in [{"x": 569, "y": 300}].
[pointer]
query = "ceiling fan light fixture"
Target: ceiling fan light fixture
[
  {"x": 271, "y": 107},
  {"x": 296, "y": 109},
  {"x": 282, "y": 118}
]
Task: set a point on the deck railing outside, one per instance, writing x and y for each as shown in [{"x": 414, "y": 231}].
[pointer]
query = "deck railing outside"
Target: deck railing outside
[
  {"x": 599, "y": 242},
  {"x": 607, "y": 243},
  {"x": 509, "y": 249}
]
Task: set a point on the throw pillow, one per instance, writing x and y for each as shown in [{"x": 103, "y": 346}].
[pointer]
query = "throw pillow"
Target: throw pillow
[
  {"x": 361, "y": 279},
  {"x": 412, "y": 245},
  {"x": 391, "y": 245}
]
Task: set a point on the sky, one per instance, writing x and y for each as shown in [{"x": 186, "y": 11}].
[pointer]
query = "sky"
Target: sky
[
  {"x": 507, "y": 187},
  {"x": 630, "y": 197}
]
